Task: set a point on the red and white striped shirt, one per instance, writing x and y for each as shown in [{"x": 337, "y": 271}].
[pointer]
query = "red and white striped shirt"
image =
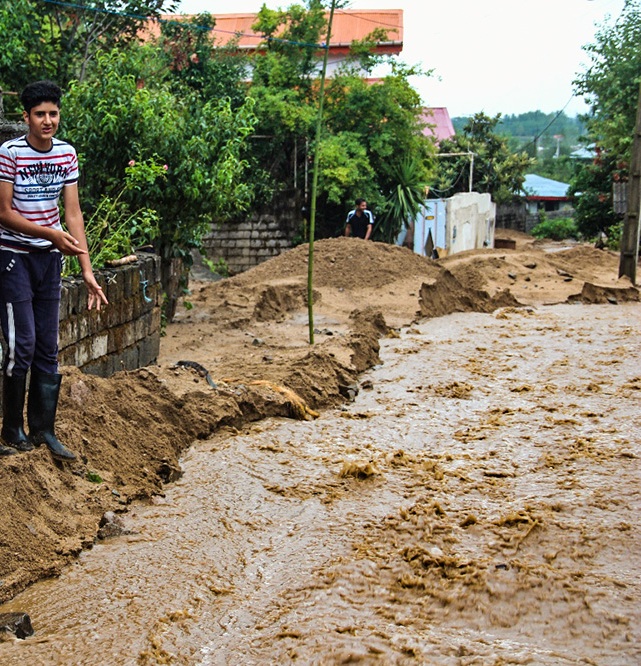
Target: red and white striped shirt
[{"x": 38, "y": 178}]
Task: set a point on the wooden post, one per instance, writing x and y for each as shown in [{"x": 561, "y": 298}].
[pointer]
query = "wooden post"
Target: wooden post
[{"x": 630, "y": 236}]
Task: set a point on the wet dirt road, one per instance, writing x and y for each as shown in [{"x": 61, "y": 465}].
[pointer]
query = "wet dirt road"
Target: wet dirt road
[{"x": 477, "y": 504}]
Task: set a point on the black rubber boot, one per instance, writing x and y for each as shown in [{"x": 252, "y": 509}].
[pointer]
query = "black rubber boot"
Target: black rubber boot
[
  {"x": 7, "y": 450},
  {"x": 44, "y": 390},
  {"x": 13, "y": 392}
]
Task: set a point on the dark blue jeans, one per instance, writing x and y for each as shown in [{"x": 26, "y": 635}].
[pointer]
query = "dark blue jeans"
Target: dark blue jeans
[{"x": 29, "y": 310}]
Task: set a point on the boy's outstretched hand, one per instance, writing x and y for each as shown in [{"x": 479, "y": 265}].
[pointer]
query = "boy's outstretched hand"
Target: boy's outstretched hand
[{"x": 96, "y": 295}]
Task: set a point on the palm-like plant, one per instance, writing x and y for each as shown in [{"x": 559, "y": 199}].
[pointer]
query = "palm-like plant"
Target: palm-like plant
[{"x": 403, "y": 203}]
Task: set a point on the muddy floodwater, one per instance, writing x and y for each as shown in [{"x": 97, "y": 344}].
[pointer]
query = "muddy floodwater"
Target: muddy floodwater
[{"x": 478, "y": 503}]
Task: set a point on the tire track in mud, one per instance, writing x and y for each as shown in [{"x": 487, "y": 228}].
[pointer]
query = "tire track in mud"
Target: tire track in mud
[{"x": 479, "y": 504}]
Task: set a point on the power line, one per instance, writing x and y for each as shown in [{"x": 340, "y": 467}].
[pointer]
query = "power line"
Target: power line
[
  {"x": 204, "y": 28},
  {"x": 547, "y": 127}
]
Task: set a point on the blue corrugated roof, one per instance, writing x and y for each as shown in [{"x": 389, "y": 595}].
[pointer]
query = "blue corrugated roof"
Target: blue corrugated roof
[{"x": 545, "y": 188}]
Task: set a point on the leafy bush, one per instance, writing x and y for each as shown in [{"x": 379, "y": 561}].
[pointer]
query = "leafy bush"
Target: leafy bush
[
  {"x": 613, "y": 234},
  {"x": 220, "y": 267},
  {"x": 559, "y": 229},
  {"x": 114, "y": 229},
  {"x": 114, "y": 117}
]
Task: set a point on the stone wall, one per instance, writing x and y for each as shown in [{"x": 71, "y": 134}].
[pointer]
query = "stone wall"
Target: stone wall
[
  {"x": 9, "y": 130},
  {"x": 262, "y": 236},
  {"x": 511, "y": 216},
  {"x": 124, "y": 335}
]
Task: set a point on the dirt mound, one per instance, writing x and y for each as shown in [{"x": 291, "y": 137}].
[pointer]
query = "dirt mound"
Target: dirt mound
[
  {"x": 447, "y": 295},
  {"x": 595, "y": 293},
  {"x": 341, "y": 263},
  {"x": 536, "y": 275},
  {"x": 276, "y": 301}
]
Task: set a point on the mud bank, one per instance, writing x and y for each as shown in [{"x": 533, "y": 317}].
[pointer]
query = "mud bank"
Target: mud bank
[
  {"x": 129, "y": 432},
  {"x": 250, "y": 334}
]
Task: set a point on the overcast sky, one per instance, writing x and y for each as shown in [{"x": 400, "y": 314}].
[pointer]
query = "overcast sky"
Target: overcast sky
[{"x": 497, "y": 56}]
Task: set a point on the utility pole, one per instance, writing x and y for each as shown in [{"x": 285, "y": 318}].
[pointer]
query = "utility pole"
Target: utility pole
[{"x": 630, "y": 236}]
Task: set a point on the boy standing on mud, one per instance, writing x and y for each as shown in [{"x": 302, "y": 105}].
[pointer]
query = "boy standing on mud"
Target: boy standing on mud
[{"x": 35, "y": 170}]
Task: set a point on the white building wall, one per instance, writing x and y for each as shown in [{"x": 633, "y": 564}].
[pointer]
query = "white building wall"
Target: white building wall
[
  {"x": 465, "y": 221},
  {"x": 470, "y": 222}
]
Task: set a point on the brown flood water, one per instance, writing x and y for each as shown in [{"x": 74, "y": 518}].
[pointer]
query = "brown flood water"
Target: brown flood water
[{"x": 477, "y": 504}]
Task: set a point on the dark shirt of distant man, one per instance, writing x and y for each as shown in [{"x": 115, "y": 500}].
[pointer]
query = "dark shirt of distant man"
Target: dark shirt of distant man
[{"x": 360, "y": 221}]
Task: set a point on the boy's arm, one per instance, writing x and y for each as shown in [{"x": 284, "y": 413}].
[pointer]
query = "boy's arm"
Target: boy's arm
[
  {"x": 76, "y": 225},
  {"x": 12, "y": 220}
]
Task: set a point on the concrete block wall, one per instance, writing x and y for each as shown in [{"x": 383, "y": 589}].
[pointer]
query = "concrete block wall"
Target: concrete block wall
[
  {"x": 124, "y": 335},
  {"x": 511, "y": 216},
  {"x": 263, "y": 235}
]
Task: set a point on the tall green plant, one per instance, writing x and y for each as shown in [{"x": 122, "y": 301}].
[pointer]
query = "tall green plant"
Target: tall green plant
[{"x": 402, "y": 205}]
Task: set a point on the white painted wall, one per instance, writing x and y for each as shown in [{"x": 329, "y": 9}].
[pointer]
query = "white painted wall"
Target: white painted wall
[
  {"x": 470, "y": 222},
  {"x": 463, "y": 222}
]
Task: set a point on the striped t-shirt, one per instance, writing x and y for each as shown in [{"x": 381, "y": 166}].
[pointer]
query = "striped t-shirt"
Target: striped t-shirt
[{"x": 38, "y": 178}]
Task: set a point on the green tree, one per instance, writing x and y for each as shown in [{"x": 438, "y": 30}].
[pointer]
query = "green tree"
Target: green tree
[
  {"x": 560, "y": 168},
  {"x": 610, "y": 84},
  {"x": 113, "y": 118},
  {"x": 364, "y": 124},
  {"x": 548, "y": 138},
  {"x": 57, "y": 40},
  {"x": 591, "y": 192},
  {"x": 345, "y": 170},
  {"x": 497, "y": 170},
  {"x": 291, "y": 40},
  {"x": 26, "y": 49},
  {"x": 284, "y": 86},
  {"x": 381, "y": 118},
  {"x": 194, "y": 60}
]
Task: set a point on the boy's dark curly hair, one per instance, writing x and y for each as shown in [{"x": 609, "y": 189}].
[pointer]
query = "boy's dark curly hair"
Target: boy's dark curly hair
[{"x": 38, "y": 92}]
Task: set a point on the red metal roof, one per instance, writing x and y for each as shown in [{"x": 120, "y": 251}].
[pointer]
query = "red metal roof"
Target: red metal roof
[
  {"x": 348, "y": 26},
  {"x": 439, "y": 123}
]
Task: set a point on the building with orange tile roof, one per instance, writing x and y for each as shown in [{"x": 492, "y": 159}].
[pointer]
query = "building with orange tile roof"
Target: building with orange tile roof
[{"x": 349, "y": 25}]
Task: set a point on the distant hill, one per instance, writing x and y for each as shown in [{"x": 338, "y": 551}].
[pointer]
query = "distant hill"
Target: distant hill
[{"x": 526, "y": 130}]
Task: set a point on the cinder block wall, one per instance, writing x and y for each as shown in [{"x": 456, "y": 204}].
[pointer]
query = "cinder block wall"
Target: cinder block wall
[
  {"x": 263, "y": 235},
  {"x": 124, "y": 335},
  {"x": 247, "y": 244}
]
